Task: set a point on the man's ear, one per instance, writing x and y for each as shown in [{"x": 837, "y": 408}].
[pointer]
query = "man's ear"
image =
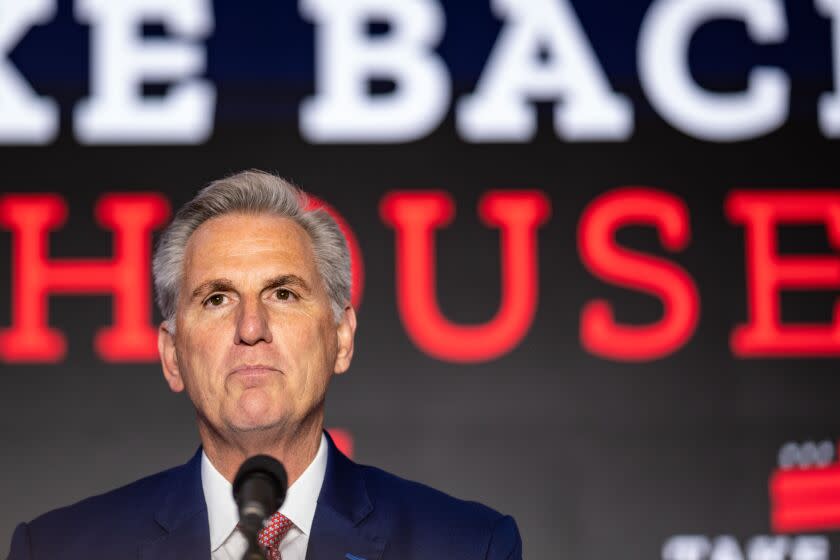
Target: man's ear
[
  {"x": 346, "y": 331},
  {"x": 168, "y": 358}
]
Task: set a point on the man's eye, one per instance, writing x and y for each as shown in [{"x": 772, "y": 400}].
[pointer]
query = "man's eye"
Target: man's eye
[
  {"x": 283, "y": 294},
  {"x": 215, "y": 300}
]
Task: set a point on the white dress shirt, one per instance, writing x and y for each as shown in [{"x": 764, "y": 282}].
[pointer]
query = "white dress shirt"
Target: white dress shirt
[{"x": 228, "y": 543}]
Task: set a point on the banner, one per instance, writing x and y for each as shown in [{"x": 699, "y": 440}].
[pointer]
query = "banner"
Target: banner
[{"x": 595, "y": 249}]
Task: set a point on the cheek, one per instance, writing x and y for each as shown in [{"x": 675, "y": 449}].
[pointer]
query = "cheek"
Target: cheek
[
  {"x": 202, "y": 354},
  {"x": 308, "y": 343}
]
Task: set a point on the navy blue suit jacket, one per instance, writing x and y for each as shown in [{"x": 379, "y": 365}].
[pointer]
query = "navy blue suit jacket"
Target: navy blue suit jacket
[{"x": 362, "y": 513}]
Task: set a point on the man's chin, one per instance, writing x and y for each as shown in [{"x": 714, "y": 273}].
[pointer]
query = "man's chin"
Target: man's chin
[
  {"x": 254, "y": 410},
  {"x": 260, "y": 423}
]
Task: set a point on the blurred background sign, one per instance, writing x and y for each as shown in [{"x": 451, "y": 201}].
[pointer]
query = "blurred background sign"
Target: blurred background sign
[{"x": 595, "y": 249}]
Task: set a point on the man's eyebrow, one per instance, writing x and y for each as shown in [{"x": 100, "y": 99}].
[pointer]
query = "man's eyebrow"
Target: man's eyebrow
[
  {"x": 287, "y": 280},
  {"x": 216, "y": 285}
]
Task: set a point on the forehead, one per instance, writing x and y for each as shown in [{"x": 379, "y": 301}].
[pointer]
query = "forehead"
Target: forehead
[{"x": 248, "y": 244}]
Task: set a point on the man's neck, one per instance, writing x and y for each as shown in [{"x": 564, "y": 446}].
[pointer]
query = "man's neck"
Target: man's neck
[{"x": 295, "y": 449}]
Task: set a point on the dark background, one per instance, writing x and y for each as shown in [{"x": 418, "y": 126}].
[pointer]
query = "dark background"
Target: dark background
[{"x": 595, "y": 459}]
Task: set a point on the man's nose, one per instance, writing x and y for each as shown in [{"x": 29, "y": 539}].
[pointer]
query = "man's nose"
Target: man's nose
[{"x": 252, "y": 323}]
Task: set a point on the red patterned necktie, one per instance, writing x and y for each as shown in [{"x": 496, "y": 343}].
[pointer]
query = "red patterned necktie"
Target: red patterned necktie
[{"x": 273, "y": 532}]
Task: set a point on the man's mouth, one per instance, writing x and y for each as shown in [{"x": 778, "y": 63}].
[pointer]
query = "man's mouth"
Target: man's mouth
[{"x": 254, "y": 370}]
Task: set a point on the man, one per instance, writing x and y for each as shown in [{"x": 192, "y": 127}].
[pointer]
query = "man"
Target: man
[{"x": 255, "y": 287}]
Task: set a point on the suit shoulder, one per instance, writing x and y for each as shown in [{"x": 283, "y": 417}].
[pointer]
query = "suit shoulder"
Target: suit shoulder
[
  {"x": 130, "y": 496},
  {"x": 136, "y": 513},
  {"x": 385, "y": 487},
  {"x": 423, "y": 518}
]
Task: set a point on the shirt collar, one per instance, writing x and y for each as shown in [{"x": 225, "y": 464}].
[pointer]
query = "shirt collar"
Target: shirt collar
[{"x": 299, "y": 506}]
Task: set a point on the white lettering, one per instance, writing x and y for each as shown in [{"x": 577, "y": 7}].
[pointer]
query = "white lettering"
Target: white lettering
[
  {"x": 500, "y": 109},
  {"x": 25, "y": 118},
  {"x": 761, "y": 547},
  {"x": 809, "y": 548},
  {"x": 829, "y": 103},
  {"x": 686, "y": 547},
  {"x": 122, "y": 61},
  {"x": 663, "y": 70},
  {"x": 766, "y": 547},
  {"x": 726, "y": 547},
  {"x": 347, "y": 58}
]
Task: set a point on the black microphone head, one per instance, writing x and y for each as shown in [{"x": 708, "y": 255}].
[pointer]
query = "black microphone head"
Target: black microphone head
[{"x": 270, "y": 471}]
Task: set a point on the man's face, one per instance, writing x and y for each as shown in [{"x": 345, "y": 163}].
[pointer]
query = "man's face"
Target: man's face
[{"x": 256, "y": 340}]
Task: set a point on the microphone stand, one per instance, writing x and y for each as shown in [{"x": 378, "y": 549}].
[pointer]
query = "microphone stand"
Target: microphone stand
[{"x": 254, "y": 550}]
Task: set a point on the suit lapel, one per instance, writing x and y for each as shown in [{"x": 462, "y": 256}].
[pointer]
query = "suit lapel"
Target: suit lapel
[
  {"x": 338, "y": 528},
  {"x": 183, "y": 517}
]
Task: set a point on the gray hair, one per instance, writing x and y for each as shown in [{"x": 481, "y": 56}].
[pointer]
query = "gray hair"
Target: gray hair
[{"x": 252, "y": 192}]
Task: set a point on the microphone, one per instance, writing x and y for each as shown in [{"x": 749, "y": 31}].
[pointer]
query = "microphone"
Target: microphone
[{"x": 259, "y": 490}]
